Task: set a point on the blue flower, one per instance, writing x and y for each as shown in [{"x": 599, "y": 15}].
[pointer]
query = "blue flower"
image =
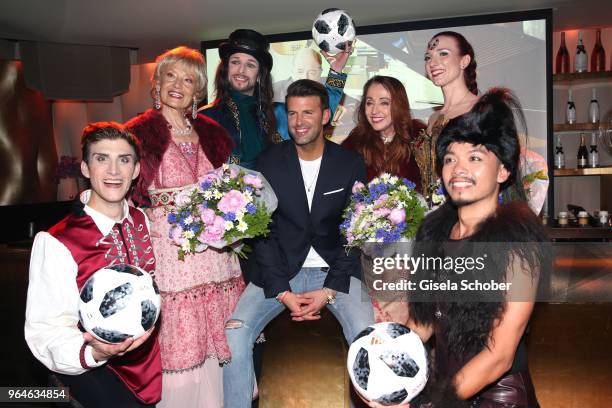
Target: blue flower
[
  {"x": 500, "y": 199},
  {"x": 230, "y": 216},
  {"x": 251, "y": 208},
  {"x": 358, "y": 197},
  {"x": 401, "y": 226},
  {"x": 205, "y": 184},
  {"x": 172, "y": 218},
  {"x": 411, "y": 185},
  {"x": 381, "y": 233},
  {"x": 248, "y": 189},
  {"x": 440, "y": 190},
  {"x": 346, "y": 224}
]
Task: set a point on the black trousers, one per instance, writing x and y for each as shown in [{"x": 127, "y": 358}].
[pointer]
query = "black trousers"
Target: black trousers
[{"x": 101, "y": 388}]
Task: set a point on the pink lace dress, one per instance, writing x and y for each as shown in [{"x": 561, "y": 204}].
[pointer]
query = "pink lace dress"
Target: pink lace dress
[{"x": 198, "y": 295}]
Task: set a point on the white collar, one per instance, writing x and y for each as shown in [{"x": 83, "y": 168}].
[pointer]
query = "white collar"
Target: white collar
[{"x": 104, "y": 223}]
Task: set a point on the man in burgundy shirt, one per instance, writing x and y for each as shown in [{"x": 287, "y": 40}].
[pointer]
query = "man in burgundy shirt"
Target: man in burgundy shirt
[{"x": 102, "y": 231}]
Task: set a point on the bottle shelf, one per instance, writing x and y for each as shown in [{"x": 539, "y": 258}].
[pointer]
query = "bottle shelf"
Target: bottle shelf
[
  {"x": 589, "y": 171},
  {"x": 582, "y": 76},
  {"x": 580, "y": 127}
]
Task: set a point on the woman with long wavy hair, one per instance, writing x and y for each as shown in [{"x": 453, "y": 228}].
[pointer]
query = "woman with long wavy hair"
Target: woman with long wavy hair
[
  {"x": 383, "y": 137},
  {"x": 385, "y": 129}
]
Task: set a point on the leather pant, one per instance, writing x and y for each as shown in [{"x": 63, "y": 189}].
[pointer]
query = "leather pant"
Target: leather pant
[{"x": 512, "y": 391}]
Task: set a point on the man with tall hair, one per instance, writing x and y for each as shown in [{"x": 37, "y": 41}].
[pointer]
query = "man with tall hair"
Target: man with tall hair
[
  {"x": 303, "y": 265},
  {"x": 479, "y": 336},
  {"x": 103, "y": 230},
  {"x": 244, "y": 103}
]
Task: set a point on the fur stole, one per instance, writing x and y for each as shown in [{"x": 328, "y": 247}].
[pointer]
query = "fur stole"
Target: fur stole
[
  {"x": 467, "y": 325},
  {"x": 152, "y": 131}
]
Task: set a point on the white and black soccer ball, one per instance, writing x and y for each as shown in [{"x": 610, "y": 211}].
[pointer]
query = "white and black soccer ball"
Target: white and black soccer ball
[
  {"x": 118, "y": 302},
  {"x": 387, "y": 363},
  {"x": 332, "y": 29}
]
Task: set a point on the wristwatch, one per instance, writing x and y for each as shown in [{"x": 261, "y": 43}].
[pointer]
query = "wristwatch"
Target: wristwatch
[{"x": 331, "y": 299}]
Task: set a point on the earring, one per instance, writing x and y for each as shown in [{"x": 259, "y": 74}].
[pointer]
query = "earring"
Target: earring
[
  {"x": 194, "y": 108},
  {"x": 157, "y": 97}
]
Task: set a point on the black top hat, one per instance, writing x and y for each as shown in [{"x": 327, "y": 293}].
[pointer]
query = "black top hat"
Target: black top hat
[{"x": 249, "y": 42}]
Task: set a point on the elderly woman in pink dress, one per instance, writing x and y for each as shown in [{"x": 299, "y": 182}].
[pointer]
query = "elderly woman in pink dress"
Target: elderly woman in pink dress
[{"x": 199, "y": 293}]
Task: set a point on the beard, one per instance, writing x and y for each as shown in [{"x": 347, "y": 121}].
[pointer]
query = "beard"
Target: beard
[{"x": 462, "y": 202}]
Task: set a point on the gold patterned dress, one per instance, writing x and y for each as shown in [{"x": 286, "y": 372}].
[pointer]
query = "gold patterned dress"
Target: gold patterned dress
[{"x": 424, "y": 148}]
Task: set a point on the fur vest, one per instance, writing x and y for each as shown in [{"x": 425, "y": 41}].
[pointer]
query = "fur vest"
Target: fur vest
[
  {"x": 152, "y": 131},
  {"x": 466, "y": 326}
]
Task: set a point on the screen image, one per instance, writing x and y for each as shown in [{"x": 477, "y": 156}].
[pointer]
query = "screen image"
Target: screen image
[{"x": 511, "y": 54}]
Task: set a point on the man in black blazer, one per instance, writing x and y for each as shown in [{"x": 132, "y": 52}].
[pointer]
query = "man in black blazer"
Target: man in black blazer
[{"x": 302, "y": 264}]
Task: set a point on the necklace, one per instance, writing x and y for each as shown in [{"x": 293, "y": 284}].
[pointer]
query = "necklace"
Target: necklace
[
  {"x": 310, "y": 183},
  {"x": 181, "y": 132},
  {"x": 454, "y": 107},
  {"x": 387, "y": 139}
]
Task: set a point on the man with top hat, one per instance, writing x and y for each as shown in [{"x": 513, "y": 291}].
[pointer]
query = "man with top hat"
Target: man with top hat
[{"x": 244, "y": 103}]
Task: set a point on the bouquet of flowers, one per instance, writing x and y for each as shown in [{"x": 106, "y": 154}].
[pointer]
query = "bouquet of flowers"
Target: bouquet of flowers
[
  {"x": 387, "y": 210},
  {"x": 231, "y": 203}
]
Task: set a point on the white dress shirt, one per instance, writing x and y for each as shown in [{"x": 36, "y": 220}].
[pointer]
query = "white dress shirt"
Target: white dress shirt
[{"x": 52, "y": 308}]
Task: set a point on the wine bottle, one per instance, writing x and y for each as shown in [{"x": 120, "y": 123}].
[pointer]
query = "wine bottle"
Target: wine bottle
[
  {"x": 598, "y": 56},
  {"x": 559, "y": 156},
  {"x": 593, "y": 153},
  {"x": 562, "y": 63},
  {"x": 594, "y": 107},
  {"x": 570, "y": 110},
  {"x": 580, "y": 61},
  {"x": 582, "y": 156}
]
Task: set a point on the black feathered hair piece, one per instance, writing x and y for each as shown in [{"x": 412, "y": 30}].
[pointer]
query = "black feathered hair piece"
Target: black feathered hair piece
[{"x": 492, "y": 124}]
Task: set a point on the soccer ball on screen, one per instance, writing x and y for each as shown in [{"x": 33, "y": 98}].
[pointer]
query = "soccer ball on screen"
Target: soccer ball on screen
[
  {"x": 118, "y": 302},
  {"x": 332, "y": 29},
  {"x": 387, "y": 363}
]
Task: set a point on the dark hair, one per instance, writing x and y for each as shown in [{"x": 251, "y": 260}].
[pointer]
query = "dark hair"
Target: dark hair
[
  {"x": 308, "y": 87},
  {"x": 264, "y": 92},
  {"x": 491, "y": 123},
  {"x": 95, "y": 132},
  {"x": 465, "y": 48},
  {"x": 368, "y": 142}
]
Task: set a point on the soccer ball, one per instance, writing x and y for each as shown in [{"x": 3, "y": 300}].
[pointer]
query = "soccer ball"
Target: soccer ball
[
  {"x": 118, "y": 302},
  {"x": 332, "y": 29},
  {"x": 387, "y": 363}
]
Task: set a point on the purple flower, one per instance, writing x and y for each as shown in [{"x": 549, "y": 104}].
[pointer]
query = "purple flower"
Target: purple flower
[
  {"x": 251, "y": 208},
  {"x": 409, "y": 184},
  {"x": 172, "y": 218}
]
